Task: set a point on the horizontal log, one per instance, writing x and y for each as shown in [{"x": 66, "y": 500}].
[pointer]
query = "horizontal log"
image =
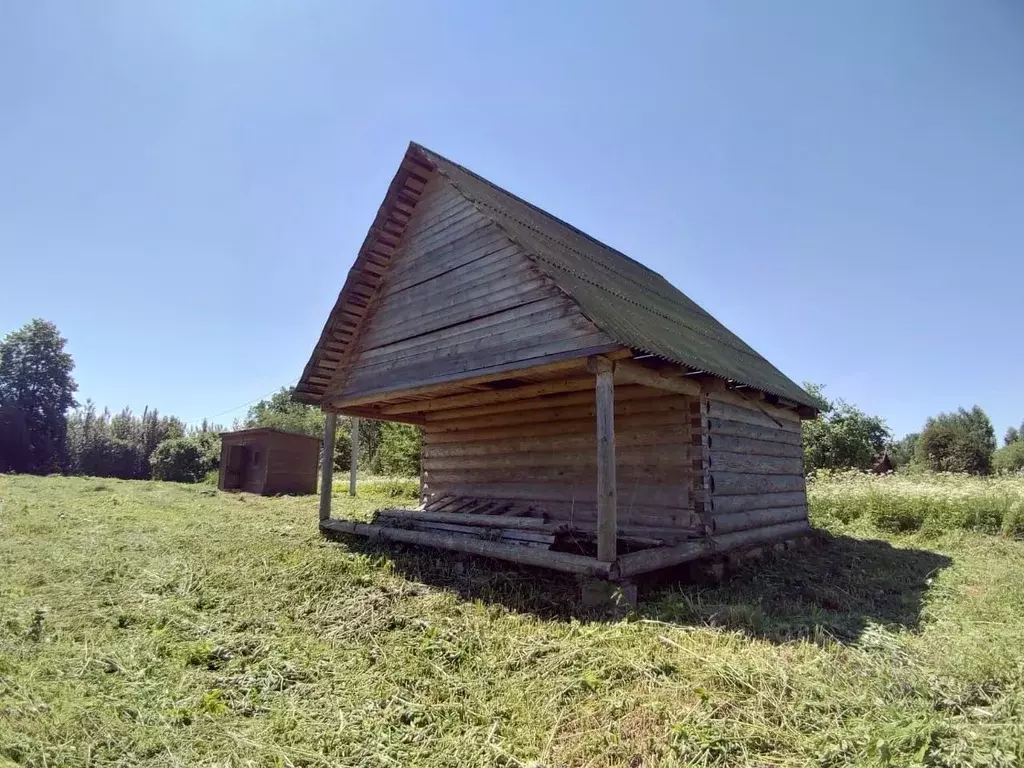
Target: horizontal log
[
  {"x": 628, "y": 372},
  {"x": 464, "y": 364},
  {"x": 483, "y": 521},
  {"x": 667, "y": 457},
  {"x": 653, "y": 520},
  {"x": 654, "y": 559},
  {"x": 719, "y": 410},
  {"x": 544, "y": 558},
  {"x": 729, "y": 483},
  {"x": 678, "y": 406},
  {"x": 564, "y": 427},
  {"x": 529, "y": 329},
  {"x": 754, "y": 402},
  {"x": 727, "y": 504},
  {"x": 725, "y": 427},
  {"x": 583, "y": 443},
  {"x": 519, "y": 404},
  {"x": 572, "y": 476},
  {"x": 758, "y": 518},
  {"x": 725, "y": 461},
  {"x": 574, "y": 361},
  {"x": 495, "y": 534},
  {"x": 494, "y": 396},
  {"x": 652, "y": 495},
  {"x": 750, "y": 447},
  {"x": 636, "y": 534}
]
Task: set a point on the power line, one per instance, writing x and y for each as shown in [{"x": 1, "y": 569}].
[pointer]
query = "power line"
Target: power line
[{"x": 243, "y": 405}]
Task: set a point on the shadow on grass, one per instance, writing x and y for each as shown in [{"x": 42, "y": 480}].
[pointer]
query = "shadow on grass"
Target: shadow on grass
[{"x": 833, "y": 588}]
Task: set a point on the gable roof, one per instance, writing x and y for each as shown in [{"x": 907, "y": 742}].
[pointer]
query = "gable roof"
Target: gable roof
[{"x": 634, "y": 305}]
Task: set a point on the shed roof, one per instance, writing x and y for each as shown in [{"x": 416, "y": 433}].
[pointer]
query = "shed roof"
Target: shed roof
[
  {"x": 266, "y": 431},
  {"x": 634, "y": 305}
]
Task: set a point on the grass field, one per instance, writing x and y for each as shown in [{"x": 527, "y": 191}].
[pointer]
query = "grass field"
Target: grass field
[{"x": 169, "y": 625}]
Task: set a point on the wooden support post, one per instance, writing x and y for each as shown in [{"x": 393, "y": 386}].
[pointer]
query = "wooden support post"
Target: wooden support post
[
  {"x": 355, "y": 456},
  {"x": 327, "y": 466},
  {"x": 607, "y": 502}
]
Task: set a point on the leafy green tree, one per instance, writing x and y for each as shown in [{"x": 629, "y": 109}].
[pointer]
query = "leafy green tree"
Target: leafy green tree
[
  {"x": 384, "y": 447},
  {"x": 1009, "y": 458},
  {"x": 36, "y": 391},
  {"x": 842, "y": 436},
  {"x": 398, "y": 452},
  {"x": 1013, "y": 435},
  {"x": 963, "y": 441},
  {"x": 119, "y": 445},
  {"x": 281, "y": 412},
  {"x": 902, "y": 451}
]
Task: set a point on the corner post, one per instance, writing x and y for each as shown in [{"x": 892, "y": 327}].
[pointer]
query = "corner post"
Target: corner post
[
  {"x": 354, "y": 452},
  {"x": 327, "y": 466},
  {"x": 607, "y": 501}
]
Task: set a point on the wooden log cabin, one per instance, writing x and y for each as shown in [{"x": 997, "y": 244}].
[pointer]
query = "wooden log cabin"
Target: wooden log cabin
[{"x": 579, "y": 412}]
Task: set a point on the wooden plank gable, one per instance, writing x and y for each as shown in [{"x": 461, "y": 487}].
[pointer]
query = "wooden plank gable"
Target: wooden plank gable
[{"x": 458, "y": 297}]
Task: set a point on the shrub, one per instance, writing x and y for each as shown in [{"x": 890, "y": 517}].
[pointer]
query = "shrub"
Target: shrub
[
  {"x": 180, "y": 459},
  {"x": 957, "y": 442},
  {"x": 398, "y": 452}
]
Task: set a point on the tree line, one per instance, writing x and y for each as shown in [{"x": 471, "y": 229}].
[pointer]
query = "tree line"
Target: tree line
[
  {"x": 962, "y": 441},
  {"x": 43, "y": 429}
]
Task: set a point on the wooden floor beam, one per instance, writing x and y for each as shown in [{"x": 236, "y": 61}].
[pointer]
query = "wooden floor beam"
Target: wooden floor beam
[{"x": 543, "y": 558}]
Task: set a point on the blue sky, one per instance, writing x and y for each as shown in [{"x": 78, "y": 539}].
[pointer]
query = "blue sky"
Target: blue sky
[{"x": 183, "y": 185}]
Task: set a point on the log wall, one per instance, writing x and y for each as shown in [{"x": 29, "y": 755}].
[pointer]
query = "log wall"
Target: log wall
[
  {"x": 544, "y": 450},
  {"x": 752, "y": 463},
  {"x": 459, "y": 297}
]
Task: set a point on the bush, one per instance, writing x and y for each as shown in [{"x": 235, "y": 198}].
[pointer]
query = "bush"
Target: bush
[
  {"x": 842, "y": 436},
  {"x": 398, "y": 452},
  {"x": 180, "y": 460},
  {"x": 1009, "y": 458},
  {"x": 957, "y": 442}
]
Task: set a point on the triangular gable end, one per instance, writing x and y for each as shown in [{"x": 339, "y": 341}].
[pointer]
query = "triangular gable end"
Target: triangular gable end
[
  {"x": 458, "y": 275},
  {"x": 457, "y": 298}
]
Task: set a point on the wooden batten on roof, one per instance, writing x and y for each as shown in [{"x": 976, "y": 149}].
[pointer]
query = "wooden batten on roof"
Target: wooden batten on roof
[{"x": 364, "y": 278}]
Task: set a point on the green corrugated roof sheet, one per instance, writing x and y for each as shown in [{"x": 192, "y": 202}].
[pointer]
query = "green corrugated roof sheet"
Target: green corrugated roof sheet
[{"x": 634, "y": 305}]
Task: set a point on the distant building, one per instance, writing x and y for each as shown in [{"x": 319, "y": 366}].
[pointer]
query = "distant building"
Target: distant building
[{"x": 268, "y": 461}]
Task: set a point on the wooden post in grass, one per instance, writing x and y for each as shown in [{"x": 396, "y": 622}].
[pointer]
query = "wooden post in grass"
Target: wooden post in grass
[
  {"x": 607, "y": 533},
  {"x": 327, "y": 466},
  {"x": 355, "y": 456}
]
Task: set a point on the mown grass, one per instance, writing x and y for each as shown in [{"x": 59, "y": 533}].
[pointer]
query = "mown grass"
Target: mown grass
[{"x": 161, "y": 624}]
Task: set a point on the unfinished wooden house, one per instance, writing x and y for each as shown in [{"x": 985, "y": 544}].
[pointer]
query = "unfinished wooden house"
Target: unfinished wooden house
[
  {"x": 268, "y": 462},
  {"x": 578, "y": 411}
]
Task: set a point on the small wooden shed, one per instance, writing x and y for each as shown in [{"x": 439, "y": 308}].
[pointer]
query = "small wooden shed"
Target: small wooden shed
[
  {"x": 579, "y": 412},
  {"x": 268, "y": 461}
]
